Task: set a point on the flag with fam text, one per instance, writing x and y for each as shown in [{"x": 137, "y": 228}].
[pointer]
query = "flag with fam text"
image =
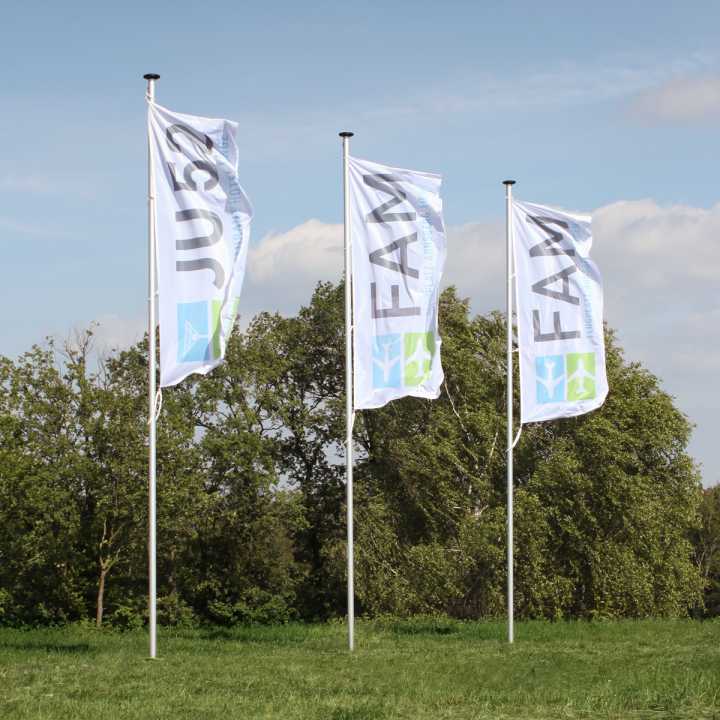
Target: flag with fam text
[
  {"x": 559, "y": 314},
  {"x": 202, "y": 224},
  {"x": 398, "y": 253}
]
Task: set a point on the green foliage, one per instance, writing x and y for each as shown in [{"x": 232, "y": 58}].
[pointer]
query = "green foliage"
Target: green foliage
[
  {"x": 605, "y": 503},
  {"x": 173, "y": 611},
  {"x": 251, "y": 497},
  {"x": 255, "y": 607},
  {"x": 41, "y": 569},
  {"x": 125, "y": 617},
  {"x": 707, "y": 548}
]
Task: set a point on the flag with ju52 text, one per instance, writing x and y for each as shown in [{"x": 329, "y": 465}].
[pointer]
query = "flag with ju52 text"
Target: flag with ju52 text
[{"x": 202, "y": 222}]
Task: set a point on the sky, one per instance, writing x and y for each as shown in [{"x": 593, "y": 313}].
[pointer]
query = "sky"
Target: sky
[{"x": 610, "y": 108}]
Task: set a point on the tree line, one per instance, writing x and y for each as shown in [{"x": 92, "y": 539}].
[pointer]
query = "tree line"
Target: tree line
[{"x": 610, "y": 517}]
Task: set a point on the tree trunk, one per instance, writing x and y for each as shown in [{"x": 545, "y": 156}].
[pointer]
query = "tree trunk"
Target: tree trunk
[
  {"x": 100, "y": 597},
  {"x": 171, "y": 573}
]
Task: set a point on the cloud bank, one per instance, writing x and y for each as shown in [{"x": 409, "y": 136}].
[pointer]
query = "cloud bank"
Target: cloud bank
[
  {"x": 689, "y": 100},
  {"x": 660, "y": 266}
]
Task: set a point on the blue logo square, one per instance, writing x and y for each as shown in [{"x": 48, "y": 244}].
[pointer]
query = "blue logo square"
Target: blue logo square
[
  {"x": 387, "y": 365},
  {"x": 193, "y": 332},
  {"x": 550, "y": 378}
]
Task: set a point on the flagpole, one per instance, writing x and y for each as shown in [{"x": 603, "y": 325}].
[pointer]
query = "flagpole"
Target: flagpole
[
  {"x": 509, "y": 369},
  {"x": 152, "y": 568},
  {"x": 348, "y": 397}
]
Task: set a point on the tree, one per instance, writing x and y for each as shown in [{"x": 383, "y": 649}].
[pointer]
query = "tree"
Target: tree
[
  {"x": 621, "y": 498},
  {"x": 297, "y": 376},
  {"x": 41, "y": 568},
  {"x": 251, "y": 512},
  {"x": 707, "y": 549},
  {"x": 605, "y": 502},
  {"x": 242, "y": 556},
  {"x": 113, "y": 414}
]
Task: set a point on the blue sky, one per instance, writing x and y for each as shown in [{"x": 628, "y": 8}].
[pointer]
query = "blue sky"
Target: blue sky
[{"x": 610, "y": 107}]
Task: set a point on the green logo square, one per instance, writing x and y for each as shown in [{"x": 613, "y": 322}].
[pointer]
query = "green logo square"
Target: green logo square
[
  {"x": 580, "y": 376},
  {"x": 419, "y": 349},
  {"x": 216, "y": 324}
]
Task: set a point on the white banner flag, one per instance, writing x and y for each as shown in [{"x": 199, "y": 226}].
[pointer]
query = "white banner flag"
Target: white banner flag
[
  {"x": 559, "y": 314},
  {"x": 203, "y": 229},
  {"x": 398, "y": 253}
]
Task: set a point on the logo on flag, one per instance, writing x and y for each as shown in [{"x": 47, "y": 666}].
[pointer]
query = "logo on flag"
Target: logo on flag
[
  {"x": 552, "y": 379},
  {"x": 198, "y": 325},
  {"x": 386, "y": 361},
  {"x": 402, "y": 360},
  {"x": 419, "y": 352},
  {"x": 581, "y": 376}
]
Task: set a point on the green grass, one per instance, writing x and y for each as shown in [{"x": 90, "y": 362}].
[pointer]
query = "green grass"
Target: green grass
[{"x": 417, "y": 669}]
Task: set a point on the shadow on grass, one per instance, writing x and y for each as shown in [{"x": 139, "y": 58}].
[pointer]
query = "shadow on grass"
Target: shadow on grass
[
  {"x": 49, "y": 647},
  {"x": 420, "y": 626},
  {"x": 440, "y": 626},
  {"x": 292, "y": 634}
]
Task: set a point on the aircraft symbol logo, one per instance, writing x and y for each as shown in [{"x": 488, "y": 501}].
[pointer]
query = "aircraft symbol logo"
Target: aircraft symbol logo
[
  {"x": 581, "y": 376},
  {"x": 561, "y": 378},
  {"x": 386, "y": 361},
  {"x": 193, "y": 331},
  {"x": 550, "y": 378},
  {"x": 419, "y": 352}
]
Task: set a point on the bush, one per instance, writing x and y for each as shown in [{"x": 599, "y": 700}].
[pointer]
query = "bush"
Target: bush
[
  {"x": 173, "y": 611},
  {"x": 256, "y": 607},
  {"x": 125, "y": 618},
  {"x": 5, "y": 606}
]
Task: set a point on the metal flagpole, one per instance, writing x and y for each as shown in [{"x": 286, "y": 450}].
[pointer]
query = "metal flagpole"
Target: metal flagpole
[
  {"x": 152, "y": 569},
  {"x": 509, "y": 369},
  {"x": 348, "y": 398}
]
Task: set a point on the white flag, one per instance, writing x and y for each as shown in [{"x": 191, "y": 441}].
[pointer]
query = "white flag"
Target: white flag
[
  {"x": 398, "y": 253},
  {"x": 559, "y": 314},
  {"x": 203, "y": 229}
]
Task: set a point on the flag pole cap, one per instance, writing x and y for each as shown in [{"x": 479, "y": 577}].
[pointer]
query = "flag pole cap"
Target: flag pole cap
[
  {"x": 508, "y": 182},
  {"x": 151, "y": 76},
  {"x": 346, "y": 133}
]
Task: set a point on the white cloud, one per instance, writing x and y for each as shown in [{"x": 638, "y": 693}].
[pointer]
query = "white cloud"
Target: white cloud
[
  {"x": 675, "y": 247},
  {"x": 47, "y": 185},
  {"x": 566, "y": 83},
  {"x": 27, "y": 183},
  {"x": 680, "y": 100},
  {"x": 660, "y": 266},
  {"x": 312, "y": 249},
  {"x": 284, "y": 267},
  {"x": 474, "y": 91},
  {"x": 43, "y": 229}
]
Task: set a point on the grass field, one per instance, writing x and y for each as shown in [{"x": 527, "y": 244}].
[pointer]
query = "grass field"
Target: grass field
[{"x": 416, "y": 669}]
